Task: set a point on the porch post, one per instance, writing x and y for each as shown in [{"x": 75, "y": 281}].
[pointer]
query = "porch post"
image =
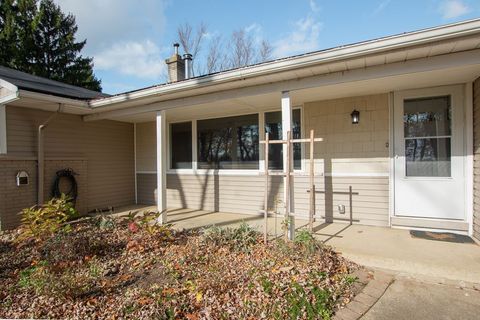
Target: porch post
[
  {"x": 162, "y": 166},
  {"x": 287, "y": 126}
]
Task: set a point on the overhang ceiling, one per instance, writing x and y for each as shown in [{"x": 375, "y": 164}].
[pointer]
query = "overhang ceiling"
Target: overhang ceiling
[{"x": 271, "y": 101}]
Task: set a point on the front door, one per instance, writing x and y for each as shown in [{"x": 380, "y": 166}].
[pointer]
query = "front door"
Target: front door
[{"x": 429, "y": 153}]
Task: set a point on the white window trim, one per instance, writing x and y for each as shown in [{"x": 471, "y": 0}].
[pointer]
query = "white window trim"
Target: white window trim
[
  {"x": 3, "y": 130},
  {"x": 231, "y": 172}
]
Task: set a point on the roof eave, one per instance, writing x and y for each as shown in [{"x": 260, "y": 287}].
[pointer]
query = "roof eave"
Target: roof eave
[
  {"x": 340, "y": 53},
  {"x": 54, "y": 99}
]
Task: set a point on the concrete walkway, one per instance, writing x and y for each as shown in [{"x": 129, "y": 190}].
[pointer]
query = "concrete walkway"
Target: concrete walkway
[
  {"x": 412, "y": 300},
  {"x": 376, "y": 247}
]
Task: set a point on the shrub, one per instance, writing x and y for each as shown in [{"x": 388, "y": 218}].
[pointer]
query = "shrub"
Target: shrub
[
  {"x": 313, "y": 303},
  {"x": 40, "y": 279},
  {"x": 34, "y": 277},
  {"x": 306, "y": 241},
  {"x": 41, "y": 222},
  {"x": 69, "y": 247},
  {"x": 241, "y": 238}
]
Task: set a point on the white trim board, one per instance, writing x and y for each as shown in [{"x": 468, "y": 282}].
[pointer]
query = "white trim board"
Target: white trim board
[
  {"x": 469, "y": 161},
  {"x": 226, "y": 172},
  {"x": 3, "y": 130},
  {"x": 461, "y": 59}
]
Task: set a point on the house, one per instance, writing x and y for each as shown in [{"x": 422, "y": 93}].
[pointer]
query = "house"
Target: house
[{"x": 411, "y": 160}]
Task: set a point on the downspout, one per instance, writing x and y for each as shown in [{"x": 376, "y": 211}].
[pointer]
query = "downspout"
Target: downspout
[{"x": 41, "y": 156}]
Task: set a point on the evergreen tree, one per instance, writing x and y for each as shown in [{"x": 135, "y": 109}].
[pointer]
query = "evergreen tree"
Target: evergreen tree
[
  {"x": 40, "y": 39},
  {"x": 8, "y": 33}
]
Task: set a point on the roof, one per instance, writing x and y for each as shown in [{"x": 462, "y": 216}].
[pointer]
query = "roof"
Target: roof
[
  {"x": 29, "y": 82},
  {"x": 303, "y": 65},
  {"x": 314, "y": 53}
]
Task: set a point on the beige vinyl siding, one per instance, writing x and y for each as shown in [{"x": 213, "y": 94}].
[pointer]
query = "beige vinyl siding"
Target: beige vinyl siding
[
  {"x": 244, "y": 194},
  {"x": 476, "y": 152},
  {"x": 146, "y": 146},
  {"x": 103, "y": 149},
  {"x": 356, "y": 156}
]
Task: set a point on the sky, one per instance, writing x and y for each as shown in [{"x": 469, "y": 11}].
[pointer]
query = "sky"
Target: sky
[{"x": 129, "y": 40}]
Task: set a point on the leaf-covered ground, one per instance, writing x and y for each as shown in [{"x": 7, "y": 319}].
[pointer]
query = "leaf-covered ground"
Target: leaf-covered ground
[{"x": 113, "y": 269}]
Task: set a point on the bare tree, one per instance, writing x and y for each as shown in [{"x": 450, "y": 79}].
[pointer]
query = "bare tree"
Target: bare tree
[
  {"x": 216, "y": 59},
  {"x": 242, "y": 49},
  {"x": 191, "y": 40},
  {"x": 265, "y": 52}
]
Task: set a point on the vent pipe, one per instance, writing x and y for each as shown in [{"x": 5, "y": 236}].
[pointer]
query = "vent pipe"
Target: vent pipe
[{"x": 187, "y": 59}]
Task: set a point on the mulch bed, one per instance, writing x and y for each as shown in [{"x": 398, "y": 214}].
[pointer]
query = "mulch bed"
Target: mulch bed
[{"x": 118, "y": 269}]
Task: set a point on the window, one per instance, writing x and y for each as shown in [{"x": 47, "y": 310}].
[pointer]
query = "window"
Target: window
[
  {"x": 228, "y": 143},
  {"x": 428, "y": 134},
  {"x": 273, "y": 126},
  {"x": 181, "y": 145}
]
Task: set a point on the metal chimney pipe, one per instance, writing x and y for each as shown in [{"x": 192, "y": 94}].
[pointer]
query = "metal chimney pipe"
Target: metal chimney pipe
[
  {"x": 187, "y": 58},
  {"x": 175, "y": 46}
]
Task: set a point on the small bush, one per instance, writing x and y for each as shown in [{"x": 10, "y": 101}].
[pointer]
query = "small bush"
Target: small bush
[
  {"x": 241, "y": 238},
  {"x": 313, "y": 303},
  {"x": 41, "y": 279},
  {"x": 305, "y": 240},
  {"x": 68, "y": 247},
  {"x": 34, "y": 277},
  {"x": 41, "y": 222}
]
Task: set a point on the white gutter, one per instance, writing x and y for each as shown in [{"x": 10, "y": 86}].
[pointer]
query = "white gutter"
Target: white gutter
[
  {"x": 84, "y": 105},
  {"x": 41, "y": 157},
  {"x": 347, "y": 52}
]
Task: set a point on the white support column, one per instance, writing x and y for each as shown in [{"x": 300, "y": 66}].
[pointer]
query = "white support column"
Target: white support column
[
  {"x": 287, "y": 126},
  {"x": 162, "y": 165}
]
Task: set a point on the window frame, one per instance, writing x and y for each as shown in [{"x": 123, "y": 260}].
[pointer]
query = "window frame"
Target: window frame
[{"x": 238, "y": 172}]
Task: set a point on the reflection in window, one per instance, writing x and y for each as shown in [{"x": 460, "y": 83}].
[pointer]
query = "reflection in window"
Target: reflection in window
[
  {"x": 427, "y": 117},
  {"x": 181, "y": 145},
  {"x": 427, "y": 130},
  {"x": 273, "y": 126},
  {"x": 228, "y": 143},
  {"x": 429, "y": 157}
]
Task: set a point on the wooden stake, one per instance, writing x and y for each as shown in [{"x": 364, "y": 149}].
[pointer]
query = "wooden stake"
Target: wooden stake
[
  {"x": 312, "y": 182},
  {"x": 350, "y": 198},
  {"x": 265, "y": 215}
]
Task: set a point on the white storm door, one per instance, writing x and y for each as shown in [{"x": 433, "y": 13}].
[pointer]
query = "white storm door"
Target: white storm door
[{"x": 429, "y": 153}]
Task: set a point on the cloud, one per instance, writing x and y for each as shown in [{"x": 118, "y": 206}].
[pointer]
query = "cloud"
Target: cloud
[
  {"x": 381, "y": 6},
  {"x": 122, "y": 35},
  {"x": 103, "y": 22},
  {"x": 451, "y": 9},
  {"x": 139, "y": 59},
  {"x": 314, "y": 6},
  {"x": 303, "y": 38}
]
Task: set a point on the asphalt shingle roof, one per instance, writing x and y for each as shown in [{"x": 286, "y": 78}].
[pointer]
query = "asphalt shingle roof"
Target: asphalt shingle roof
[{"x": 30, "y": 82}]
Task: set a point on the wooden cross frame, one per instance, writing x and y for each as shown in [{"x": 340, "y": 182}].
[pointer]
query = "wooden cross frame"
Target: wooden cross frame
[{"x": 287, "y": 174}]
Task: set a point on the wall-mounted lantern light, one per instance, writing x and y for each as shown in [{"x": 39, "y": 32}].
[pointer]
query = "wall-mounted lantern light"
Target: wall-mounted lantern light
[{"x": 355, "y": 116}]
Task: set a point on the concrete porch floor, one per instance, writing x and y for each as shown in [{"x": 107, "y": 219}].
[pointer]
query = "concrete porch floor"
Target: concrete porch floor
[{"x": 376, "y": 247}]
